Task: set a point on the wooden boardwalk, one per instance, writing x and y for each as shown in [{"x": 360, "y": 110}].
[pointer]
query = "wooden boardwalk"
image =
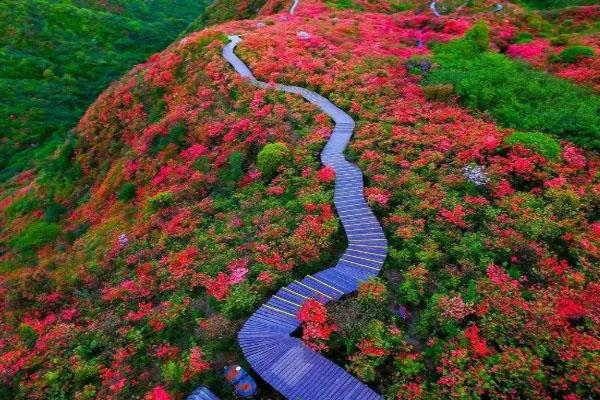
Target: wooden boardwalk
[{"x": 285, "y": 362}]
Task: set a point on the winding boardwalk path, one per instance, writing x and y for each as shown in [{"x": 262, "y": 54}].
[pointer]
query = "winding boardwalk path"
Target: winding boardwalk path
[
  {"x": 294, "y": 6},
  {"x": 434, "y": 9},
  {"x": 285, "y": 362}
]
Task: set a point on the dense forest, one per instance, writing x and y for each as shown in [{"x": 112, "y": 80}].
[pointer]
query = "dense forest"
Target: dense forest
[{"x": 56, "y": 57}]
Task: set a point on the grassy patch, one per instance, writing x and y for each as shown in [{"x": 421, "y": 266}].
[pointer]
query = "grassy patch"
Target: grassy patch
[
  {"x": 539, "y": 142},
  {"x": 516, "y": 95},
  {"x": 550, "y": 4},
  {"x": 36, "y": 235}
]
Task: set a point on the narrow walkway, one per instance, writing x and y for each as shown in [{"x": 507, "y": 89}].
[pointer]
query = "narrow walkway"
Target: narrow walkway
[
  {"x": 294, "y": 6},
  {"x": 433, "y": 7},
  {"x": 285, "y": 362}
]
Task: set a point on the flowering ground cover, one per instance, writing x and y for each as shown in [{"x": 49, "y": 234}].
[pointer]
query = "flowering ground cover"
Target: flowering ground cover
[
  {"x": 186, "y": 196},
  {"x": 563, "y": 42},
  {"x": 186, "y": 220},
  {"x": 493, "y": 244}
]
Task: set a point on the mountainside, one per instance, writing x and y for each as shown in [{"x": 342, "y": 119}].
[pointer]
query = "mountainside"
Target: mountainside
[
  {"x": 186, "y": 197},
  {"x": 57, "y": 56}
]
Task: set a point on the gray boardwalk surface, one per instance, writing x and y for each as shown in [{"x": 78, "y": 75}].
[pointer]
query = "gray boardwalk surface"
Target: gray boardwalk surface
[{"x": 285, "y": 362}]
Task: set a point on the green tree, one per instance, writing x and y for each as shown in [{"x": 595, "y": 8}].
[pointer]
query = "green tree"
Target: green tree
[{"x": 271, "y": 157}]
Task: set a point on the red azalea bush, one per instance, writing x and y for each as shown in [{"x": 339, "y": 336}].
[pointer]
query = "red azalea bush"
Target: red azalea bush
[{"x": 316, "y": 328}]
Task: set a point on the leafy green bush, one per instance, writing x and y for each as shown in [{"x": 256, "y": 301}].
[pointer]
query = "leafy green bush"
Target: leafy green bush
[
  {"x": 234, "y": 170},
  {"x": 523, "y": 37},
  {"x": 127, "y": 192},
  {"x": 479, "y": 35},
  {"x": 158, "y": 201},
  {"x": 241, "y": 301},
  {"x": 22, "y": 206},
  {"x": 53, "y": 212},
  {"x": 560, "y": 40},
  {"x": 516, "y": 95},
  {"x": 177, "y": 135},
  {"x": 35, "y": 235},
  {"x": 343, "y": 5},
  {"x": 573, "y": 54},
  {"x": 538, "y": 142},
  {"x": 271, "y": 157}
]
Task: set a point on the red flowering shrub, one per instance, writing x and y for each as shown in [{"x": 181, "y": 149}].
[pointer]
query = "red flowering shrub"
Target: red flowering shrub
[
  {"x": 316, "y": 328},
  {"x": 326, "y": 174}
]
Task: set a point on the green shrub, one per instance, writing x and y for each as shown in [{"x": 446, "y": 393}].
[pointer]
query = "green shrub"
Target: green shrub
[
  {"x": 516, "y": 95},
  {"x": 35, "y": 235},
  {"x": 22, "y": 206},
  {"x": 523, "y": 37},
  {"x": 343, "y": 5},
  {"x": 271, "y": 157},
  {"x": 241, "y": 301},
  {"x": 127, "y": 192},
  {"x": 28, "y": 335},
  {"x": 538, "y": 142},
  {"x": 172, "y": 372},
  {"x": 177, "y": 135},
  {"x": 573, "y": 54},
  {"x": 479, "y": 35},
  {"x": 53, "y": 212},
  {"x": 234, "y": 171},
  {"x": 560, "y": 40},
  {"x": 161, "y": 200}
]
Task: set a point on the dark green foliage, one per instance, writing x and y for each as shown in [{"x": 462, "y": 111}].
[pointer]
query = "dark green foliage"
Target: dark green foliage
[
  {"x": 226, "y": 10},
  {"x": 233, "y": 172},
  {"x": 271, "y": 157},
  {"x": 35, "y": 235},
  {"x": 538, "y": 142},
  {"x": 177, "y": 135},
  {"x": 343, "y": 5},
  {"x": 53, "y": 212},
  {"x": 28, "y": 335},
  {"x": 55, "y": 57},
  {"x": 241, "y": 301},
  {"x": 516, "y": 95},
  {"x": 548, "y": 4},
  {"x": 523, "y": 37},
  {"x": 127, "y": 192},
  {"x": 560, "y": 40},
  {"x": 573, "y": 54},
  {"x": 22, "y": 206},
  {"x": 159, "y": 201}
]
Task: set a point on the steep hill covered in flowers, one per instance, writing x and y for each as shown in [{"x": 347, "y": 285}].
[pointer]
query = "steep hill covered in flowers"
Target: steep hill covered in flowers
[{"x": 187, "y": 196}]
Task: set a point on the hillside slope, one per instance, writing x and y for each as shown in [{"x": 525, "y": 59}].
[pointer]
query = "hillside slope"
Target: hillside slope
[
  {"x": 186, "y": 197},
  {"x": 57, "y": 57}
]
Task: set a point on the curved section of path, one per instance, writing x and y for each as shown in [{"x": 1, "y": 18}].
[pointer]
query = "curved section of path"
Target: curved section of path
[
  {"x": 294, "y": 6},
  {"x": 285, "y": 362},
  {"x": 434, "y": 9}
]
